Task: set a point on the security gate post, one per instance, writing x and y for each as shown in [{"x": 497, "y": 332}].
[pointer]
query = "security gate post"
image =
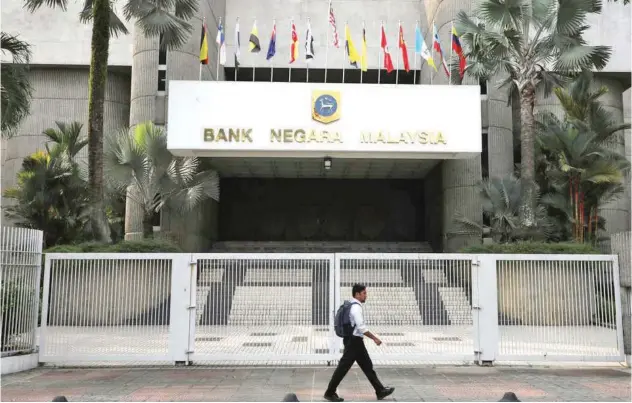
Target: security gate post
[
  {"x": 485, "y": 307},
  {"x": 181, "y": 308}
]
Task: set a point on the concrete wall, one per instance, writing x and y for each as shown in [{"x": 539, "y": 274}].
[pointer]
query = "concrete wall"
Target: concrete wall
[
  {"x": 61, "y": 94},
  {"x": 58, "y": 38}
]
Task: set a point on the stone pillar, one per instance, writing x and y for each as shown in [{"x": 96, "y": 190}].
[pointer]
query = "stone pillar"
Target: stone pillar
[
  {"x": 499, "y": 131},
  {"x": 142, "y": 108},
  {"x": 617, "y": 212},
  {"x": 461, "y": 195}
]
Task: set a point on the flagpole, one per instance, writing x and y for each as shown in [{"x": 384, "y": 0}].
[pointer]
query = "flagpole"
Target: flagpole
[
  {"x": 271, "y": 62},
  {"x": 254, "y": 67},
  {"x": 344, "y": 53},
  {"x": 362, "y": 53},
  {"x": 327, "y": 46},
  {"x": 290, "y": 73},
  {"x": 309, "y": 29},
  {"x": 415, "y": 68},
  {"x": 450, "y": 63},
  {"x": 219, "y": 48},
  {"x": 399, "y": 26},
  {"x": 379, "y": 54},
  {"x": 432, "y": 50},
  {"x": 236, "y": 45},
  {"x": 203, "y": 28}
]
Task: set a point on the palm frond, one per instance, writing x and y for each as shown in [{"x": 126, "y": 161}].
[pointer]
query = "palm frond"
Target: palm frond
[
  {"x": 156, "y": 18},
  {"x": 32, "y": 5},
  {"x": 577, "y": 57},
  {"x": 16, "y": 93},
  {"x": 19, "y": 50},
  {"x": 117, "y": 27}
]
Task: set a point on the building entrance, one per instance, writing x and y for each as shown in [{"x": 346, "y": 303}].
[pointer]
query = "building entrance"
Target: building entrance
[{"x": 352, "y": 210}]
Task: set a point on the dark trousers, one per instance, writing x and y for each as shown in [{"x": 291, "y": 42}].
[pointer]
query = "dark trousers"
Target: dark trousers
[{"x": 355, "y": 351}]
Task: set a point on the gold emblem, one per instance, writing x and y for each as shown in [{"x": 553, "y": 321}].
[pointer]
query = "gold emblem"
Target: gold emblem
[{"x": 325, "y": 106}]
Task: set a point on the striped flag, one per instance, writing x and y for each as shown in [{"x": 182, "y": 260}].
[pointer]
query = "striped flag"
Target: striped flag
[
  {"x": 422, "y": 48},
  {"x": 237, "y": 45},
  {"x": 332, "y": 22},
  {"x": 309, "y": 43},
  {"x": 436, "y": 44},
  {"x": 221, "y": 44},
  {"x": 272, "y": 45},
  {"x": 254, "y": 45},
  {"x": 294, "y": 45},
  {"x": 204, "y": 45}
]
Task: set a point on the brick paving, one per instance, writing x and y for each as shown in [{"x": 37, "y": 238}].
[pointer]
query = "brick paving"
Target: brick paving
[{"x": 271, "y": 384}]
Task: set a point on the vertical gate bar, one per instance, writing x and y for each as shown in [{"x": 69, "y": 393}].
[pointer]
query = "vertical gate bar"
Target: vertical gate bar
[
  {"x": 617, "y": 304},
  {"x": 485, "y": 285},
  {"x": 193, "y": 269},
  {"x": 45, "y": 300},
  {"x": 179, "y": 317},
  {"x": 334, "y": 299}
]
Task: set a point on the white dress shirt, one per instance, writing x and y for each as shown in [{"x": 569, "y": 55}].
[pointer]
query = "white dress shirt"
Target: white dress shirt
[{"x": 357, "y": 319}]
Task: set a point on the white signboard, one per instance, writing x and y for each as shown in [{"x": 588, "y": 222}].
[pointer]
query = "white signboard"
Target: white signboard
[{"x": 258, "y": 119}]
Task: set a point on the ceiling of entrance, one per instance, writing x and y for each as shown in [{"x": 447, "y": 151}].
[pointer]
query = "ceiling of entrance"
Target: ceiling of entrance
[{"x": 314, "y": 168}]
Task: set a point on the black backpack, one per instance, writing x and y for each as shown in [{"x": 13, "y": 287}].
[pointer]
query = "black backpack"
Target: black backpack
[{"x": 342, "y": 321}]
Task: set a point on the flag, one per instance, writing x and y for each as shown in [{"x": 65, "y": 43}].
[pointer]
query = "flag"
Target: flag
[
  {"x": 309, "y": 43},
  {"x": 404, "y": 49},
  {"x": 220, "y": 40},
  {"x": 456, "y": 46},
  {"x": 254, "y": 44},
  {"x": 272, "y": 45},
  {"x": 388, "y": 62},
  {"x": 332, "y": 22},
  {"x": 237, "y": 45},
  {"x": 204, "y": 45},
  {"x": 422, "y": 48},
  {"x": 364, "y": 63},
  {"x": 436, "y": 44},
  {"x": 294, "y": 45},
  {"x": 352, "y": 53}
]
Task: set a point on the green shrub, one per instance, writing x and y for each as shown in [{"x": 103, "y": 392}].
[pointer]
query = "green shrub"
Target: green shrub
[
  {"x": 16, "y": 303},
  {"x": 530, "y": 248},
  {"x": 140, "y": 246}
]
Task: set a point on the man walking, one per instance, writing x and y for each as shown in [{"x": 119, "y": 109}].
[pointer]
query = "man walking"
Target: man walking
[{"x": 355, "y": 350}]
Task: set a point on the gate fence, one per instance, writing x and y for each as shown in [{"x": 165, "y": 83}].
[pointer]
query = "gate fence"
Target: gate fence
[
  {"x": 21, "y": 264},
  {"x": 241, "y": 308}
]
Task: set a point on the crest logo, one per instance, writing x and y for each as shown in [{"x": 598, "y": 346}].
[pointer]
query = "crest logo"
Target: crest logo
[{"x": 325, "y": 106}]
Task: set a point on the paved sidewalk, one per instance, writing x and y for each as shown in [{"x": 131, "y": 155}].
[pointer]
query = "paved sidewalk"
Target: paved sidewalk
[{"x": 271, "y": 384}]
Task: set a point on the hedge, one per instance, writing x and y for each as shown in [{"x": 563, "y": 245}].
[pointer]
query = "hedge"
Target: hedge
[
  {"x": 564, "y": 248},
  {"x": 141, "y": 246}
]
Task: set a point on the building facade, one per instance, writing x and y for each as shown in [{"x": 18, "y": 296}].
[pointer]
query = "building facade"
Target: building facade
[{"x": 365, "y": 203}]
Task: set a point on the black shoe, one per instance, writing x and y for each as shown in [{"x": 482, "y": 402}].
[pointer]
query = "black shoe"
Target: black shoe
[
  {"x": 384, "y": 393},
  {"x": 333, "y": 397}
]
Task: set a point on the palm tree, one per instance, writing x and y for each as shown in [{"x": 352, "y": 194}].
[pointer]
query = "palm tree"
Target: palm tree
[
  {"x": 50, "y": 193},
  {"x": 167, "y": 18},
  {"x": 502, "y": 200},
  {"x": 580, "y": 171},
  {"x": 139, "y": 160},
  {"x": 14, "y": 83},
  {"x": 532, "y": 42}
]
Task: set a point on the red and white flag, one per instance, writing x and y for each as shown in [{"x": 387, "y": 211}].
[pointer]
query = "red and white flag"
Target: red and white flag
[
  {"x": 388, "y": 61},
  {"x": 294, "y": 45},
  {"x": 332, "y": 22},
  {"x": 403, "y": 48}
]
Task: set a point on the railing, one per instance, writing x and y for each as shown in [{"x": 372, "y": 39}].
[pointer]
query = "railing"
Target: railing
[
  {"x": 279, "y": 308},
  {"x": 21, "y": 263}
]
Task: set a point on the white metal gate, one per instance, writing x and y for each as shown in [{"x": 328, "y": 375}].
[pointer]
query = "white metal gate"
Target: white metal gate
[{"x": 279, "y": 308}]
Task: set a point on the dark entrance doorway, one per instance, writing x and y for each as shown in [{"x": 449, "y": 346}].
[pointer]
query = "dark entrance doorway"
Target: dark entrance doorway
[{"x": 356, "y": 210}]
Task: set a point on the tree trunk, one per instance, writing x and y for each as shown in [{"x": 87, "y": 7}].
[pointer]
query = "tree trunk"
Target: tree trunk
[
  {"x": 148, "y": 225},
  {"x": 527, "y": 154},
  {"x": 96, "y": 95}
]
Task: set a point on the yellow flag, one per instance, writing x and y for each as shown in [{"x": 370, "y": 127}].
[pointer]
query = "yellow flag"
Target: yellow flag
[
  {"x": 352, "y": 53},
  {"x": 364, "y": 64}
]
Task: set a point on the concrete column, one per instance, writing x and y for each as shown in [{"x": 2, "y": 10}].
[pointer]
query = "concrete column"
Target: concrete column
[
  {"x": 499, "y": 131},
  {"x": 142, "y": 108},
  {"x": 617, "y": 212},
  {"x": 461, "y": 195}
]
